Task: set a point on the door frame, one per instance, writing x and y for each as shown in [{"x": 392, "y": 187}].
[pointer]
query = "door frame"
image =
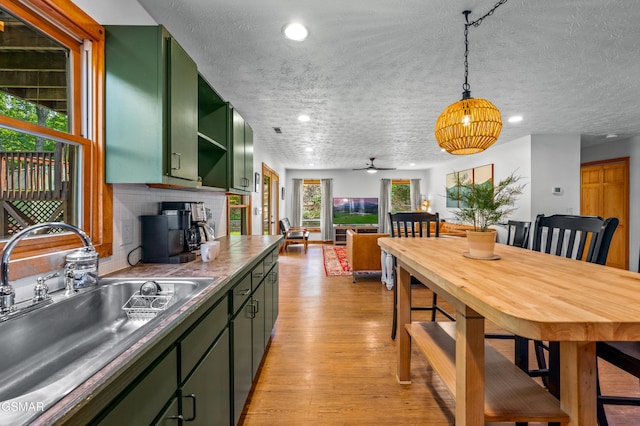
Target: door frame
[{"x": 274, "y": 198}]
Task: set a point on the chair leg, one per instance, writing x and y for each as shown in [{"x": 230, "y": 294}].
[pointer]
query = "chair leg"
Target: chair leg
[
  {"x": 394, "y": 326},
  {"x": 434, "y": 304},
  {"x": 354, "y": 275},
  {"x": 600, "y": 413},
  {"x": 305, "y": 246},
  {"x": 542, "y": 363}
]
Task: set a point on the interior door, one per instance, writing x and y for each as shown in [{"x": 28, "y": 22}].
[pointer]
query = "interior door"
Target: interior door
[
  {"x": 270, "y": 201},
  {"x": 604, "y": 191}
]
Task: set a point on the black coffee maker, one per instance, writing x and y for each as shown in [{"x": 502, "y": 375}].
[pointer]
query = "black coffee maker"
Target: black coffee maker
[{"x": 164, "y": 237}]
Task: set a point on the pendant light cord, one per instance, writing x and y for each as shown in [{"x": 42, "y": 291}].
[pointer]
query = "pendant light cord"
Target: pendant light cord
[{"x": 466, "y": 94}]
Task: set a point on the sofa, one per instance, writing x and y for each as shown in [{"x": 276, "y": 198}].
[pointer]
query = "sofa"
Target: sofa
[{"x": 363, "y": 251}]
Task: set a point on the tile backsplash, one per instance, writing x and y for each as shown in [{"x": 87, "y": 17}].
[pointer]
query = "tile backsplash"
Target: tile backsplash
[{"x": 132, "y": 201}]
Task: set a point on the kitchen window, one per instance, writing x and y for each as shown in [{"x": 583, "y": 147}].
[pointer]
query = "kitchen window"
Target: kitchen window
[
  {"x": 51, "y": 142},
  {"x": 238, "y": 214}
]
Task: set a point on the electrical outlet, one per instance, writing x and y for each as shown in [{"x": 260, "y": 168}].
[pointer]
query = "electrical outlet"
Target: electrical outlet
[{"x": 126, "y": 232}]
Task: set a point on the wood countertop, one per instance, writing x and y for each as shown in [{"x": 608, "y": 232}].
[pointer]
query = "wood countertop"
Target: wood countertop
[{"x": 237, "y": 255}]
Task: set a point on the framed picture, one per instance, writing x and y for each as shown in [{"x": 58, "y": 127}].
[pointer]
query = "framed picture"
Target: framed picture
[
  {"x": 483, "y": 175},
  {"x": 257, "y": 177},
  {"x": 465, "y": 177},
  {"x": 451, "y": 184}
]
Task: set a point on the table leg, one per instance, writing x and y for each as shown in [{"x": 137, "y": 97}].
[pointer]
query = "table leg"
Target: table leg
[
  {"x": 578, "y": 382},
  {"x": 403, "y": 289},
  {"x": 469, "y": 367}
]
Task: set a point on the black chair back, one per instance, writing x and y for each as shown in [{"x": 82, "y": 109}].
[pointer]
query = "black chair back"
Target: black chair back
[
  {"x": 518, "y": 233},
  {"x": 562, "y": 232},
  {"x": 284, "y": 225},
  {"x": 412, "y": 224}
]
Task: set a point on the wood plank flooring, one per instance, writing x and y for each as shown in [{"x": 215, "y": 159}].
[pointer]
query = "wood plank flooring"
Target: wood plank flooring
[{"x": 331, "y": 360}]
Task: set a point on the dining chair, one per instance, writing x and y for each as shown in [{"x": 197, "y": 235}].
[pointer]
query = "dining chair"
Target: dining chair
[
  {"x": 414, "y": 225},
  {"x": 626, "y": 357},
  {"x": 518, "y": 233},
  {"x": 297, "y": 235},
  {"x": 585, "y": 238}
]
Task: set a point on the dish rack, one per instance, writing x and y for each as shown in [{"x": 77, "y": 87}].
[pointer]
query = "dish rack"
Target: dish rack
[{"x": 144, "y": 308}]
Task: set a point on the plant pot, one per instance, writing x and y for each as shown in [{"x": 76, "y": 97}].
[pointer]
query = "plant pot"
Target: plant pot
[{"x": 481, "y": 243}]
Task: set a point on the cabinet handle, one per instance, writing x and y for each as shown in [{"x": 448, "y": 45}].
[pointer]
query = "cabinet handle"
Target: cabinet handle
[
  {"x": 178, "y": 417},
  {"x": 193, "y": 398},
  {"x": 257, "y": 305},
  {"x": 259, "y": 274},
  {"x": 244, "y": 292},
  {"x": 179, "y": 160}
]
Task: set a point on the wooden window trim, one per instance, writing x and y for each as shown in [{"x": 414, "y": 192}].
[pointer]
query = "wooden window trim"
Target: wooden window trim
[{"x": 68, "y": 24}]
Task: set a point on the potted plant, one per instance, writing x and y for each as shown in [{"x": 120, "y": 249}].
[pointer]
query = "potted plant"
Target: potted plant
[{"x": 483, "y": 205}]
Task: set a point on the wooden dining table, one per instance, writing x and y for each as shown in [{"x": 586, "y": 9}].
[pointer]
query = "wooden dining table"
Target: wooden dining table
[{"x": 530, "y": 294}]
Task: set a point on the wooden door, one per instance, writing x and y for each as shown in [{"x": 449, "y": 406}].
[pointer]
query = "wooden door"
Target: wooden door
[
  {"x": 270, "y": 201},
  {"x": 604, "y": 191}
]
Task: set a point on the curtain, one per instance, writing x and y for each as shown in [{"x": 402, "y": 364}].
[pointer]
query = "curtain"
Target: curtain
[
  {"x": 326, "y": 209},
  {"x": 296, "y": 203},
  {"x": 414, "y": 194},
  {"x": 384, "y": 207}
]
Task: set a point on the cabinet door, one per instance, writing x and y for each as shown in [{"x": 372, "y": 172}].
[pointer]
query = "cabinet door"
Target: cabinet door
[
  {"x": 258, "y": 340},
  {"x": 169, "y": 417},
  {"x": 143, "y": 402},
  {"x": 206, "y": 395},
  {"x": 237, "y": 166},
  {"x": 242, "y": 367},
  {"x": 248, "y": 156},
  {"x": 183, "y": 113}
]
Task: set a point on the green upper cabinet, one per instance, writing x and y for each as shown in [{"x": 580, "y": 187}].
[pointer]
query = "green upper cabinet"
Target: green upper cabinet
[
  {"x": 151, "y": 92},
  {"x": 242, "y": 159}
]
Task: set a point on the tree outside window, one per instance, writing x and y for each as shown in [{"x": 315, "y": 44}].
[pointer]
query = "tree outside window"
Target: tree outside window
[
  {"x": 311, "y": 203},
  {"x": 400, "y": 196}
]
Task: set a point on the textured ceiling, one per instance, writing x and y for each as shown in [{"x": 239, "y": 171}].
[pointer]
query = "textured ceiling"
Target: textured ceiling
[{"x": 374, "y": 75}]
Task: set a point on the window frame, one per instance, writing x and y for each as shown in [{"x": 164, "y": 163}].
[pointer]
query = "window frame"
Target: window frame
[
  {"x": 246, "y": 207},
  {"x": 69, "y": 25}
]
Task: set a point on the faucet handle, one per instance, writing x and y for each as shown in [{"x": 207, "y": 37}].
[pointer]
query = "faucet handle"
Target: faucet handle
[{"x": 41, "y": 290}]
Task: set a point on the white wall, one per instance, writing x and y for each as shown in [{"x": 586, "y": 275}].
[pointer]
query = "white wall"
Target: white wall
[
  {"x": 617, "y": 149},
  {"x": 506, "y": 158},
  {"x": 349, "y": 183},
  {"x": 555, "y": 162}
]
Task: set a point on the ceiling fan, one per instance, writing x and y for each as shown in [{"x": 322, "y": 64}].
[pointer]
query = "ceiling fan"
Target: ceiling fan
[{"x": 371, "y": 168}]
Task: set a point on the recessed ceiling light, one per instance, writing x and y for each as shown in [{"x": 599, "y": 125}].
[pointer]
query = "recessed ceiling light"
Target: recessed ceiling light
[
  {"x": 412, "y": 164},
  {"x": 304, "y": 117},
  {"x": 515, "y": 119},
  {"x": 611, "y": 135},
  {"x": 311, "y": 164},
  {"x": 295, "y": 32},
  {"x": 308, "y": 149}
]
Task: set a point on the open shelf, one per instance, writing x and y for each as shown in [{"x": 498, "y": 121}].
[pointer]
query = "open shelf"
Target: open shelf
[{"x": 510, "y": 394}]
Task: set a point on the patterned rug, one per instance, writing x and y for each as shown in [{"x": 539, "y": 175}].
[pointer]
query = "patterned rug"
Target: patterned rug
[{"x": 335, "y": 261}]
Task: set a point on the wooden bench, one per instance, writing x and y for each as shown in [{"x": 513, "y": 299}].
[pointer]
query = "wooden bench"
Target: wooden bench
[{"x": 510, "y": 394}]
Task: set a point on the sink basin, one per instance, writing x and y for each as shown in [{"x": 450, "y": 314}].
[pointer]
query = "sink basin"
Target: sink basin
[{"x": 46, "y": 353}]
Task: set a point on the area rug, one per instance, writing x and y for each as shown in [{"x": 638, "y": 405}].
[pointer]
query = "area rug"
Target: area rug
[{"x": 335, "y": 261}]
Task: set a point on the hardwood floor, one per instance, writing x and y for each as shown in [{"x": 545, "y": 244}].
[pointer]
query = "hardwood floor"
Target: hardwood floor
[{"x": 331, "y": 360}]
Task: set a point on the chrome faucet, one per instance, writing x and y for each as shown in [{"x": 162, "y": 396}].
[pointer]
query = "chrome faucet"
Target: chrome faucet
[{"x": 7, "y": 292}]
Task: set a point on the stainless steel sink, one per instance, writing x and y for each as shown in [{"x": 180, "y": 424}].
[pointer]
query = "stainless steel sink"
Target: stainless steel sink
[{"x": 48, "y": 352}]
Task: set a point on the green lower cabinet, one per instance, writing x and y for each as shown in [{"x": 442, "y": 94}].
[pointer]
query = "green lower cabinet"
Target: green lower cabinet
[
  {"x": 205, "y": 395},
  {"x": 142, "y": 403},
  {"x": 242, "y": 355},
  {"x": 258, "y": 341},
  {"x": 170, "y": 416}
]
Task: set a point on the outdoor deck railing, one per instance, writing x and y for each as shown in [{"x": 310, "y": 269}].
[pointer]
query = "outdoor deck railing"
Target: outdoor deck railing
[{"x": 33, "y": 175}]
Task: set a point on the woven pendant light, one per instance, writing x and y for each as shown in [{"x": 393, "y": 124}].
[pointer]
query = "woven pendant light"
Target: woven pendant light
[{"x": 470, "y": 125}]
